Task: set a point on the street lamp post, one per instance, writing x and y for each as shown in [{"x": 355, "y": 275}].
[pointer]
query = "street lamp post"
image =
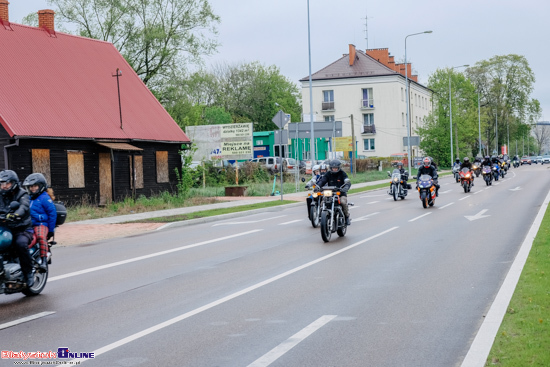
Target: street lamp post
[
  {"x": 451, "y": 113},
  {"x": 407, "y": 99},
  {"x": 479, "y": 122},
  {"x": 312, "y": 137}
]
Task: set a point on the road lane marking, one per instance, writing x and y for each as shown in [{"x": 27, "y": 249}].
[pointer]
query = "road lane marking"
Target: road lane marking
[
  {"x": 139, "y": 258},
  {"x": 444, "y": 206},
  {"x": 464, "y": 198},
  {"x": 477, "y": 192},
  {"x": 25, "y": 319},
  {"x": 373, "y": 202},
  {"x": 248, "y": 221},
  {"x": 291, "y": 342},
  {"x": 220, "y": 301},
  {"x": 444, "y": 192},
  {"x": 364, "y": 217},
  {"x": 292, "y": 221},
  {"x": 423, "y": 215},
  {"x": 371, "y": 196},
  {"x": 481, "y": 346}
]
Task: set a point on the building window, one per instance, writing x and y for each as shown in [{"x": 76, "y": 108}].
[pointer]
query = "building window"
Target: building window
[
  {"x": 138, "y": 159},
  {"x": 403, "y": 118},
  {"x": 329, "y": 118},
  {"x": 328, "y": 100},
  {"x": 367, "y": 101},
  {"x": 162, "y": 167},
  {"x": 76, "y": 169},
  {"x": 368, "y": 119},
  {"x": 368, "y": 144},
  {"x": 41, "y": 163},
  {"x": 402, "y": 95}
]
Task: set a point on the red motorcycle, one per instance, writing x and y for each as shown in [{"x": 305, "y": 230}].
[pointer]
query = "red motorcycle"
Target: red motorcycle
[{"x": 466, "y": 179}]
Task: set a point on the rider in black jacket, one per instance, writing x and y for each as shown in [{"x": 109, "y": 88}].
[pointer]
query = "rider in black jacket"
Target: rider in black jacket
[
  {"x": 338, "y": 178},
  {"x": 467, "y": 164},
  {"x": 428, "y": 169},
  {"x": 19, "y": 221}
]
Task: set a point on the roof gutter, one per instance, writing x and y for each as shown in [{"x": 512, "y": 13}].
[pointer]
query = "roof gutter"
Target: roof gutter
[{"x": 16, "y": 144}]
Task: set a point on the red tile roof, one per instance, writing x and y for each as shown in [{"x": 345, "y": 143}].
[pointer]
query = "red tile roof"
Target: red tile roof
[{"x": 62, "y": 86}]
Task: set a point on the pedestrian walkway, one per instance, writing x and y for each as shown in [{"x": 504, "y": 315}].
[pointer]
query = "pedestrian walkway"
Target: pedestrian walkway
[{"x": 93, "y": 230}]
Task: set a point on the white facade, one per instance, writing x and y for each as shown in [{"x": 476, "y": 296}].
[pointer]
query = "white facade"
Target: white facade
[{"x": 383, "y": 106}]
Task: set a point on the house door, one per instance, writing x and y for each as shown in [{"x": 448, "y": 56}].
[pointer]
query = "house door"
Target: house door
[{"x": 105, "y": 179}]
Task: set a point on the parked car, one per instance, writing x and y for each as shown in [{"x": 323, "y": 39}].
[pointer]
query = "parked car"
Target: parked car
[
  {"x": 538, "y": 159},
  {"x": 545, "y": 159},
  {"x": 399, "y": 157},
  {"x": 291, "y": 165},
  {"x": 272, "y": 164},
  {"x": 525, "y": 160}
]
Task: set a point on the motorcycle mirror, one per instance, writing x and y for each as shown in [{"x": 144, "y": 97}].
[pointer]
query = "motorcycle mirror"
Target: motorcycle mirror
[
  {"x": 14, "y": 205},
  {"x": 303, "y": 179}
]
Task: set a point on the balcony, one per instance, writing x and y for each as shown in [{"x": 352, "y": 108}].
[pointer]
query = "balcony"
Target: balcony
[
  {"x": 328, "y": 106},
  {"x": 367, "y": 104},
  {"x": 369, "y": 129}
]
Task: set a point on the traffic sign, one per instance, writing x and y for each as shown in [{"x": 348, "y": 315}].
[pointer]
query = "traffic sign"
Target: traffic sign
[{"x": 280, "y": 119}]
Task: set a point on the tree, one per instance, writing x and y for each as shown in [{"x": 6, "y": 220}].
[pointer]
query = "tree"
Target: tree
[{"x": 154, "y": 36}]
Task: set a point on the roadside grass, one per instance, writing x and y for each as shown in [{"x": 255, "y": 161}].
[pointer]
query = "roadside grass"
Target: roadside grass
[
  {"x": 213, "y": 212},
  {"x": 524, "y": 336}
]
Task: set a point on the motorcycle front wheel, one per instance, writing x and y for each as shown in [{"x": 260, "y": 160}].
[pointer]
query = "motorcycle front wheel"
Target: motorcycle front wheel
[
  {"x": 395, "y": 192},
  {"x": 326, "y": 233},
  {"x": 313, "y": 216},
  {"x": 465, "y": 187}
]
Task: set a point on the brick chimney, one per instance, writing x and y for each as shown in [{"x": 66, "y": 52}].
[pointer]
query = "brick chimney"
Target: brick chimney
[
  {"x": 352, "y": 54},
  {"x": 4, "y": 15},
  {"x": 45, "y": 19}
]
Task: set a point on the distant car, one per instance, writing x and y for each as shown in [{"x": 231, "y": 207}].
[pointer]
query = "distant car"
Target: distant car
[
  {"x": 272, "y": 164},
  {"x": 545, "y": 159},
  {"x": 538, "y": 159},
  {"x": 525, "y": 160},
  {"x": 290, "y": 164}
]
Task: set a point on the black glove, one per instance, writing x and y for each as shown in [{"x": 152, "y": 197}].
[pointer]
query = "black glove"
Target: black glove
[
  {"x": 12, "y": 216},
  {"x": 49, "y": 236}
]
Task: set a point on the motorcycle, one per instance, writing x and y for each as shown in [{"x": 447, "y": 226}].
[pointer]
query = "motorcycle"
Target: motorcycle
[
  {"x": 12, "y": 279},
  {"x": 515, "y": 163},
  {"x": 426, "y": 190},
  {"x": 315, "y": 208},
  {"x": 456, "y": 169},
  {"x": 466, "y": 179},
  {"x": 488, "y": 175},
  {"x": 332, "y": 214},
  {"x": 503, "y": 169},
  {"x": 398, "y": 187},
  {"x": 476, "y": 168},
  {"x": 496, "y": 171}
]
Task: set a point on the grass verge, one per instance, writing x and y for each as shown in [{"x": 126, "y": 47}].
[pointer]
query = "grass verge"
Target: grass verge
[
  {"x": 524, "y": 336},
  {"x": 213, "y": 212}
]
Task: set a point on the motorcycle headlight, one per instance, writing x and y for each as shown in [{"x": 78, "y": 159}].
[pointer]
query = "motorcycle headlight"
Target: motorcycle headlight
[
  {"x": 315, "y": 194},
  {"x": 468, "y": 175},
  {"x": 327, "y": 192},
  {"x": 395, "y": 180}
]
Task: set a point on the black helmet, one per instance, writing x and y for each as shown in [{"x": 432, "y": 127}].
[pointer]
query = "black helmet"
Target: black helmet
[
  {"x": 9, "y": 176},
  {"x": 457, "y": 160},
  {"x": 35, "y": 179},
  {"x": 466, "y": 159},
  {"x": 335, "y": 163},
  {"x": 487, "y": 157},
  {"x": 399, "y": 164}
]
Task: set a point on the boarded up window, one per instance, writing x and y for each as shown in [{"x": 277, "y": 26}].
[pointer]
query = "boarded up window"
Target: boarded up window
[
  {"x": 139, "y": 171},
  {"x": 76, "y": 169},
  {"x": 41, "y": 163},
  {"x": 162, "y": 167}
]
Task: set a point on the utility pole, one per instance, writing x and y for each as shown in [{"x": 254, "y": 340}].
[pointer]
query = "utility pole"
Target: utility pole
[{"x": 352, "y": 163}]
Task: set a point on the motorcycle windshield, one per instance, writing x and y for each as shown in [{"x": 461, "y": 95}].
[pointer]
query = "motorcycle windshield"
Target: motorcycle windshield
[
  {"x": 396, "y": 175},
  {"x": 465, "y": 170}
]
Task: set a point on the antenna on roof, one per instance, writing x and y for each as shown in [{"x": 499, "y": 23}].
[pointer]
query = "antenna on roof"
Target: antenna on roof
[{"x": 367, "y": 29}]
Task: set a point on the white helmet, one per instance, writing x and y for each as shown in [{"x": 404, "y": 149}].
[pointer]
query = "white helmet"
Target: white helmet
[{"x": 315, "y": 168}]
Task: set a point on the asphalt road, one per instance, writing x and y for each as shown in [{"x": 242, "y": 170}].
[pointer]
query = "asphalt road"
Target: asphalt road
[{"x": 406, "y": 286}]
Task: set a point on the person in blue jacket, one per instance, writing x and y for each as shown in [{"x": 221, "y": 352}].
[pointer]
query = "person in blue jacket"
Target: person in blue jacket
[{"x": 43, "y": 212}]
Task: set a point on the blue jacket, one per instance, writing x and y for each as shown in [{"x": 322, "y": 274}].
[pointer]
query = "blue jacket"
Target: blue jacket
[{"x": 43, "y": 212}]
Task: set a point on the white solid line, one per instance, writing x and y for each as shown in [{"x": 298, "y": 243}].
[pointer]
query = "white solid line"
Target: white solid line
[
  {"x": 464, "y": 198},
  {"x": 220, "y": 301},
  {"x": 291, "y": 342},
  {"x": 25, "y": 319},
  {"x": 365, "y": 217},
  {"x": 248, "y": 221},
  {"x": 444, "y": 206},
  {"x": 292, "y": 221},
  {"x": 481, "y": 346},
  {"x": 139, "y": 258},
  {"x": 423, "y": 215}
]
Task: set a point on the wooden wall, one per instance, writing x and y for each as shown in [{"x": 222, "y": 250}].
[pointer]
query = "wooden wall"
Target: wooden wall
[{"x": 20, "y": 160}]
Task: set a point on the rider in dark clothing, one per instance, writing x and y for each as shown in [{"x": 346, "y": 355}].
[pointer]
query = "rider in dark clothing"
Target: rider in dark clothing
[
  {"x": 467, "y": 164},
  {"x": 486, "y": 162},
  {"x": 404, "y": 175},
  {"x": 428, "y": 169},
  {"x": 338, "y": 178},
  {"x": 19, "y": 221}
]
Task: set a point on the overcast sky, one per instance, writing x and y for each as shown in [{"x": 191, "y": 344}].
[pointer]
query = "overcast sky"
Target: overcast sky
[{"x": 465, "y": 32}]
